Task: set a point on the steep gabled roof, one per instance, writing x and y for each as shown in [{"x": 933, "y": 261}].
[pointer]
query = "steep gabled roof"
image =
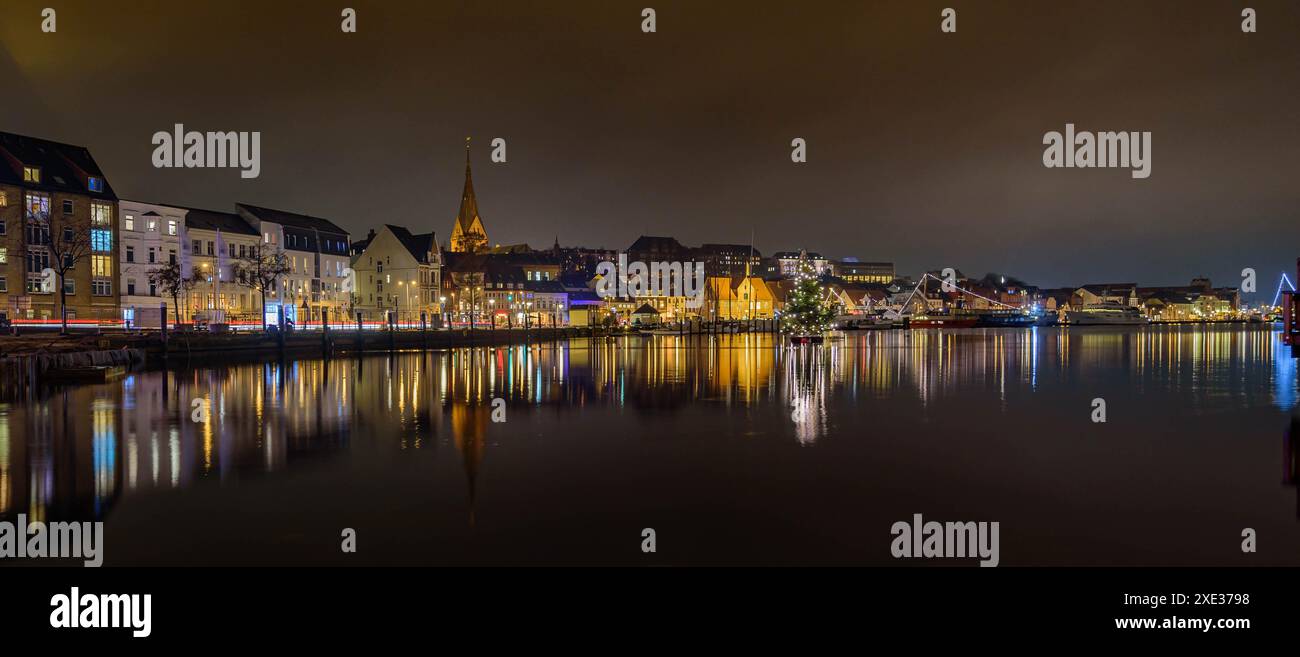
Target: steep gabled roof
[
  {"x": 64, "y": 167},
  {"x": 419, "y": 246}
]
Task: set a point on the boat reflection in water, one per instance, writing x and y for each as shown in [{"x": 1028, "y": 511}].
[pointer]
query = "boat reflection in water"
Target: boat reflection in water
[{"x": 742, "y": 446}]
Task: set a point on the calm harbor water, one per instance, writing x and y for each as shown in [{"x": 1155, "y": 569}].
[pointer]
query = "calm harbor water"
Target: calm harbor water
[{"x": 735, "y": 449}]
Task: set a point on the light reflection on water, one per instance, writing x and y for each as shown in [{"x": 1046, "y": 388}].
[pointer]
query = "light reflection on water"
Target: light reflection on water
[{"x": 81, "y": 453}]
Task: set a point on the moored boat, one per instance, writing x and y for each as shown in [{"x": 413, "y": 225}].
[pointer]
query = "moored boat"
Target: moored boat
[
  {"x": 862, "y": 323},
  {"x": 1105, "y": 314},
  {"x": 939, "y": 320},
  {"x": 1005, "y": 318}
]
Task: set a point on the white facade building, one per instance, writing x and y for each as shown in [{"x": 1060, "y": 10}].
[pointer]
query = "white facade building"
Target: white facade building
[
  {"x": 150, "y": 238},
  {"x": 318, "y": 253}
]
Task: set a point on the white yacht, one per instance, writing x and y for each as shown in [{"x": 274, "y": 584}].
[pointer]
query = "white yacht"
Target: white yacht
[{"x": 1105, "y": 313}]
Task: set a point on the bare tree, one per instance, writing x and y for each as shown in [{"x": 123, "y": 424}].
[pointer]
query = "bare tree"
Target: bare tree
[
  {"x": 173, "y": 283},
  {"x": 262, "y": 270},
  {"x": 67, "y": 246}
]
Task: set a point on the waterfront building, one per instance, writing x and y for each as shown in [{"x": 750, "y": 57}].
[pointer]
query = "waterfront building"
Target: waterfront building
[
  {"x": 862, "y": 298},
  {"x": 547, "y": 303},
  {"x": 494, "y": 285},
  {"x": 728, "y": 298},
  {"x": 514, "y": 300},
  {"x": 852, "y": 271},
  {"x": 1199, "y": 301},
  {"x": 397, "y": 271},
  {"x": 150, "y": 238},
  {"x": 317, "y": 252},
  {"x": 55, "y": 203},
  {"x": 217, "y": 241},
  {"x": 503, "y": 291},
  {"x": 467, "y": 233},
  {"x": 586, "y": 308},
  {"x": 205, "y": 244}
]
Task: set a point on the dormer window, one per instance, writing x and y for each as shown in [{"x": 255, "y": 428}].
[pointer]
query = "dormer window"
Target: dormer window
[
  {"x": 31, "y": 174},
  {"x": 95, "y": 183}
]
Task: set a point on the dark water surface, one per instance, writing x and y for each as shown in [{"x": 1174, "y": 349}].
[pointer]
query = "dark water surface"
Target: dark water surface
[{"x": 736, "y": 450}]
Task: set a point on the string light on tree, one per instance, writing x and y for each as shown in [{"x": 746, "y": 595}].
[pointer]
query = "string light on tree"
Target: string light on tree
[{"x": 806, "y": 314}]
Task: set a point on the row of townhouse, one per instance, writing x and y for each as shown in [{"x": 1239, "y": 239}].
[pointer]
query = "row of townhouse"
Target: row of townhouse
[
  {"x": 209, "y": 245},
  {"x": 70, "y": 247}
]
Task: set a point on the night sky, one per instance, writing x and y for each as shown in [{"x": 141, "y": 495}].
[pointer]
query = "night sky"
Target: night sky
[{"x": 924, "y": 148}]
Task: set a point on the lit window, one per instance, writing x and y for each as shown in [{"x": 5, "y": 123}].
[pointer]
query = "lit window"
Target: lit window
[
  {"x": 101, "y": 214},
  {"x": 153, "y": 225},
  {"x": 101, "y": 240},
  {"x": 101, "y": 265},
  {"x": 128, "y": 223},
  {"x": 171, "y": 226},
  {"x": 31, "y": 174},
  {"x": 4, "y": 255},
  {"x": 4, "y": 199},
  {"x": 95, "y": 183}
]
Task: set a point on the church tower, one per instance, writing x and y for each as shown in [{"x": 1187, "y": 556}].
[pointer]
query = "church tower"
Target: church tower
[{"x": 468, "y": 235}]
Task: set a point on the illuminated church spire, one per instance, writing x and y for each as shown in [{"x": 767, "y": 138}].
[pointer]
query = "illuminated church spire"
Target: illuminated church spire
[{"x": 468, "y": 234}]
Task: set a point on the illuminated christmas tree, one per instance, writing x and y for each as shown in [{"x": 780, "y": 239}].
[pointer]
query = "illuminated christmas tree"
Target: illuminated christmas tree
[{"x": 805, "y": 312}]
